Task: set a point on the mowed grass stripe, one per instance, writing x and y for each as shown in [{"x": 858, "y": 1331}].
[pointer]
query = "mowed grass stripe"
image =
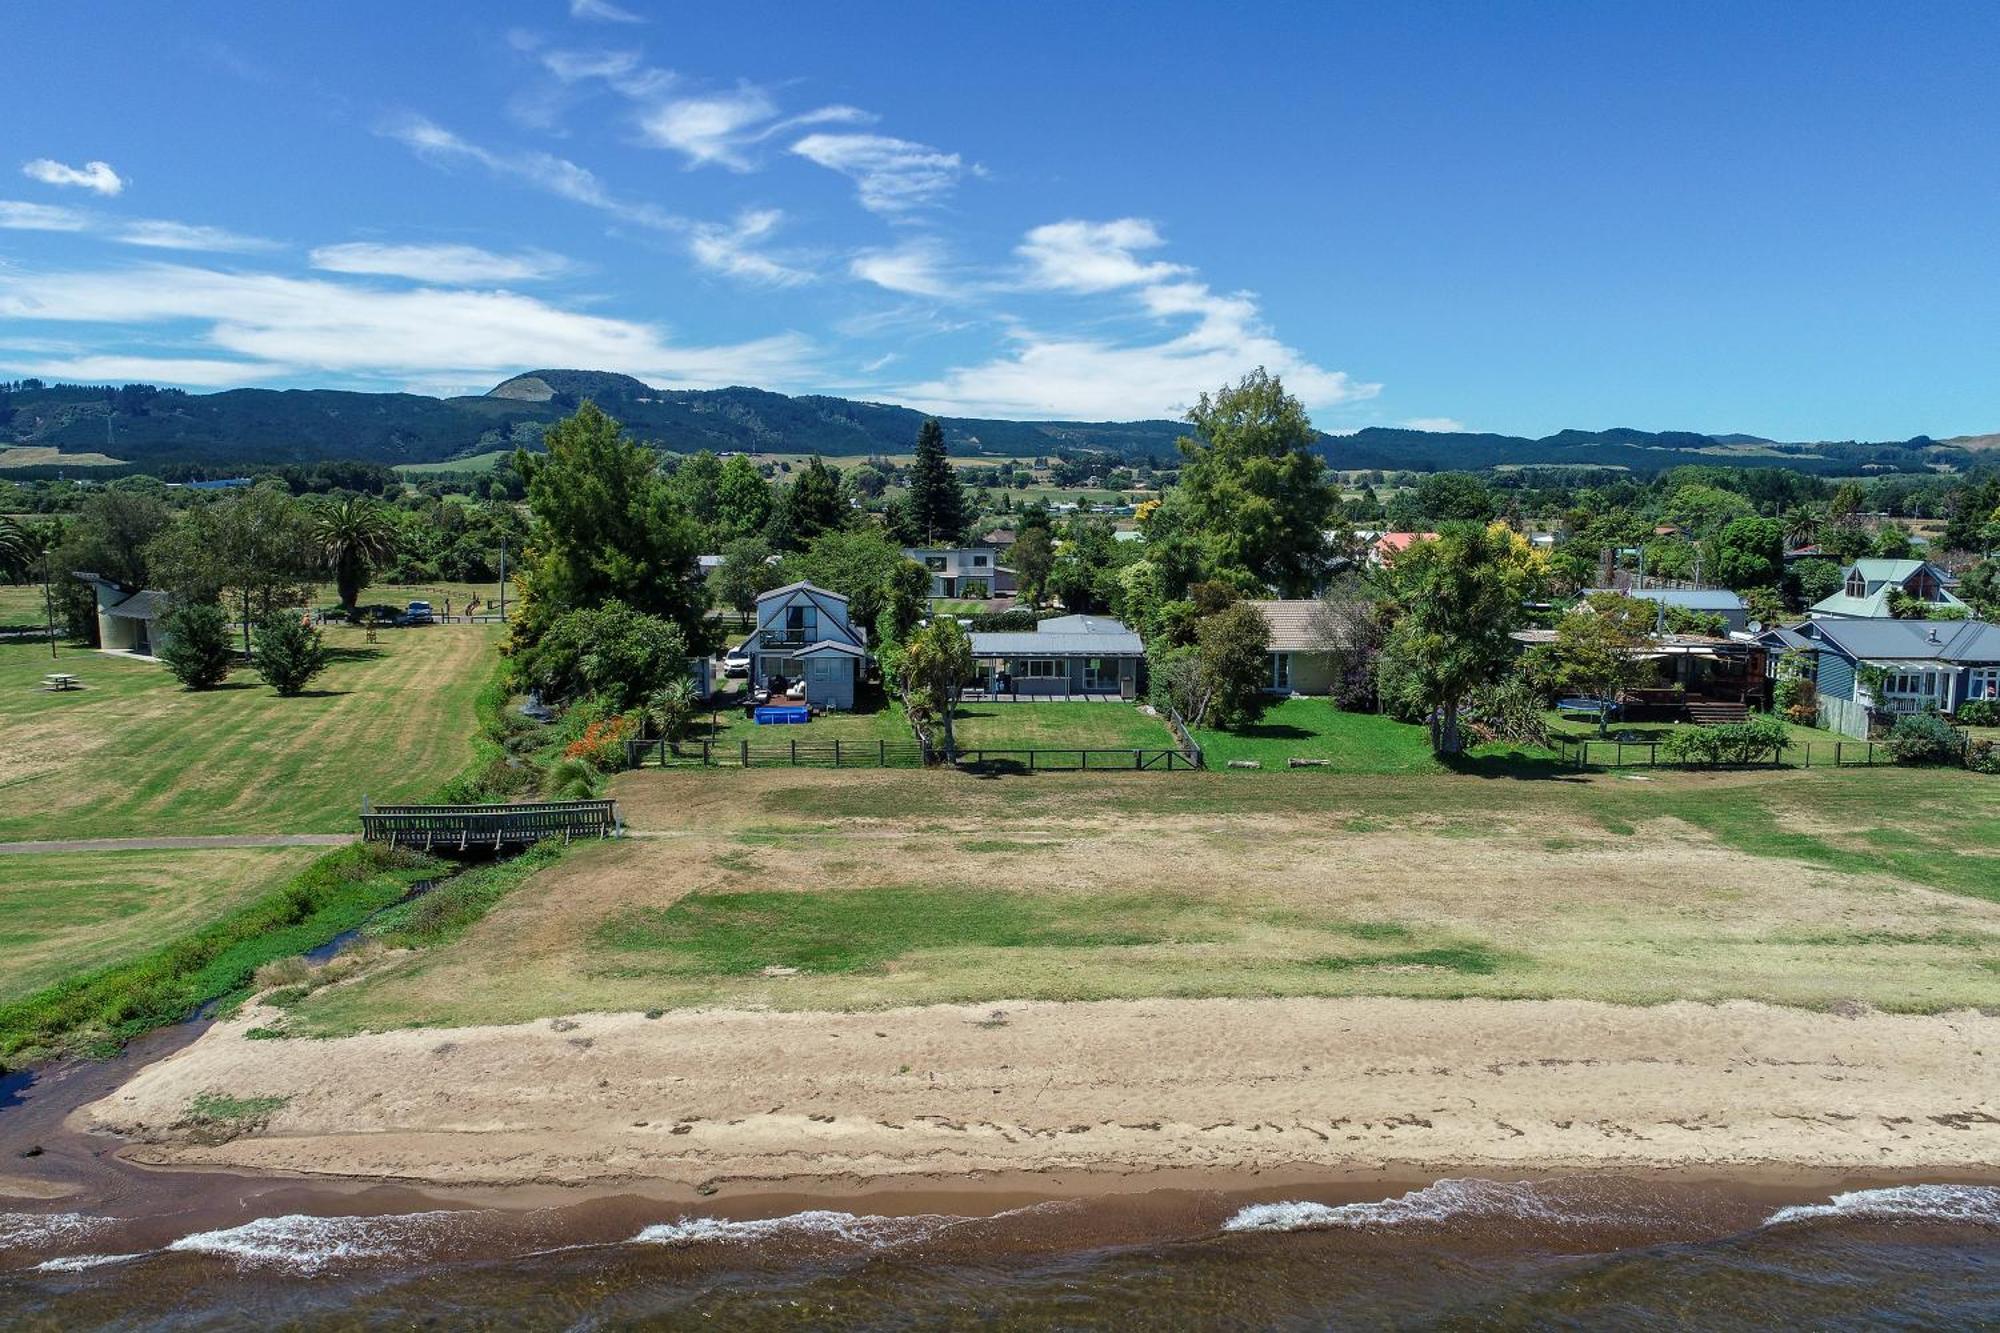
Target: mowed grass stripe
[{"x": 133, "y": 754}]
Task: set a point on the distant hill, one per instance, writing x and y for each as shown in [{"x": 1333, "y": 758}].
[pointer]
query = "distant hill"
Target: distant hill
[{"x": 150, "y": 426}]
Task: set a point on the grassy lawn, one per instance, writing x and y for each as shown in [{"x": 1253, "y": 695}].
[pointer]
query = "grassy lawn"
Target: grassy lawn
[
  {"x": 1349, "y": 742},
  {"x": 60, "y": 911},
  {"x": 874, "y": 720},
  {"x": 798, "y": 889},
  {"x": 132, "y": 753},
  {"x": 1063, "y": 723},
  {"x": 402, "y": 594},
  {"x": 21, "y": 607}
]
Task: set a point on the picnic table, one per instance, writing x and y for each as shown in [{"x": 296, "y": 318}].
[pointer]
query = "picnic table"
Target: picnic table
[{"x": 61, "y": 680}]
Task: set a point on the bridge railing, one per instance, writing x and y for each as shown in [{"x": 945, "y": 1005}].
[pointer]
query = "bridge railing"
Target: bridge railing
[{"x": 489, "y": 826}]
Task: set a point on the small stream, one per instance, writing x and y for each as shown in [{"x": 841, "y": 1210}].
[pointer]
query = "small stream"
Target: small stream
[{"x": 339, "y": 943}]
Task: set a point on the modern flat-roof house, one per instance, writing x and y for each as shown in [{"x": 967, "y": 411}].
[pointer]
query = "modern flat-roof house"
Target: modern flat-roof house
[
  {"x": 963, "y": 571},
  {"x": 1930, "y": 664},
  {"x": 1866, "y": 586},
  {"x": 1701, "y": 601},
  {"x": 803, "y": 645},
  {"x": 1063, "y": 657},
  {"x": 128, "y": 619}
]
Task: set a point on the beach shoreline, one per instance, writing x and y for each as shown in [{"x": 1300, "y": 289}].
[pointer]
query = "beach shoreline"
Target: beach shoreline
[{"x": 1041, "y": 1100}]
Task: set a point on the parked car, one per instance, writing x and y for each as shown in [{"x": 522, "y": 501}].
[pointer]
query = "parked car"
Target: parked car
[
  {"x": 417, "y": 613},
  {"x": 736, "y": 663}
]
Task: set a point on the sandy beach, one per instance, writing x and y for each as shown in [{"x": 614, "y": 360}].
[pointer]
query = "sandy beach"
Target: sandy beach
[{"x": 720, "y": 1098}]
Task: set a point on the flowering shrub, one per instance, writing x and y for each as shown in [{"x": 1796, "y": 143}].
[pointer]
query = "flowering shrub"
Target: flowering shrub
[{"x": 602, "y": 744}]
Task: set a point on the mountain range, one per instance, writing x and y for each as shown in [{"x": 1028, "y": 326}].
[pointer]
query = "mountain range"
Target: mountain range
[{"x": 141, "y": 425}]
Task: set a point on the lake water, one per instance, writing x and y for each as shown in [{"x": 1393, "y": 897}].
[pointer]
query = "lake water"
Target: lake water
[{"x": 1582, "y": 1253}]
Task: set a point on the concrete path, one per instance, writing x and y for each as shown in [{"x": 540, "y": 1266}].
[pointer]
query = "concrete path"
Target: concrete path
[{"x": 179, "y": 844}]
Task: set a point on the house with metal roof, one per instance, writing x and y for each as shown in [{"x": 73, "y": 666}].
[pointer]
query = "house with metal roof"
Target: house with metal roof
[
  {"x": 1701, "y": 601},
  {"x": 1937, "y": 664},
  {"x": 805, "y": 647},
  {"x": 1868, "y": 584},
  {"x": 128, "y": 619},
  {"x": 1063, "y": 657}
]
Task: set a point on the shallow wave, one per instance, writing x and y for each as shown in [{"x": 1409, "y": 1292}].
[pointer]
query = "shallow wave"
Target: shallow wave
[
  {"x": 1977, "y": 1205},
  {"x": 305, "y": 1244},
  {"x": 20, "y": 1231},
  {"x": 1444, "y": 1201},
  {"x": 77, "y": 1263},
  {"x": 868, "y": 1231}
]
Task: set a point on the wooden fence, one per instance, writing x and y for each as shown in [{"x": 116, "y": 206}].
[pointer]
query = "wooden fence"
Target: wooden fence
[
  {"x": 794, "y": 754},
  {"x": 1190, "y": 748},
  {"x": 1048, "y": 759},
  {"x": 464, "y": 827}
]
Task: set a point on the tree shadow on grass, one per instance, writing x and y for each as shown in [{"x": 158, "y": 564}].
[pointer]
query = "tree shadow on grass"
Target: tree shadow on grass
[
  {"x": 1513, "y": 764},
  {"x": 334, "y": 655},
  {"x": 1273, "y": 731},
  {"x": 321, "y": 694}
]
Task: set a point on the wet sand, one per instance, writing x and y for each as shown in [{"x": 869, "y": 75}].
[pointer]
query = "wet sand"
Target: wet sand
[{"x": 1045, "y": 1099}]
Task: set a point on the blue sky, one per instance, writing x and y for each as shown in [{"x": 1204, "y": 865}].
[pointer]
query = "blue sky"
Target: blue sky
[{"x": 1781, "y": 219}]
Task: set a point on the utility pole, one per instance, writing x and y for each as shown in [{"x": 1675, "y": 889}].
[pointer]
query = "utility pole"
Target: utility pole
[{"x": 49, "y": 600}]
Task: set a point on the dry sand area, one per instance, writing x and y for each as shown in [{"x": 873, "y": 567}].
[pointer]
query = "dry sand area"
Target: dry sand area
[
  {"x": 1348, "y": 1085},
  {"x": 793, "y": 974}
]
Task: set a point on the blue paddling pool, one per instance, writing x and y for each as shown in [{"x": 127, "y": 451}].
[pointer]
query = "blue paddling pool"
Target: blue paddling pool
[{"x": 768, "y": 715}]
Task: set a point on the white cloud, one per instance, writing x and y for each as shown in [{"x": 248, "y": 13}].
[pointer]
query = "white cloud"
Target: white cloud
[
  {"x": 1077, "y": 256},
  {"x": 544, "y": 171},
  {"x": 327, "y": 327},
  {"x": 114, "y": 369},
  {"x": 891, "y": 175},
  {"x": 1097, "y": 377},
  {"x": 716, "y": 129},
  {"x": 97, "y": 176},
  {"x": 439, "y": 263},
  {"x": 1447, "y": 424},
  {"x": 18, "y": 216},
  {"x": 161, "y": 235},
  {"x": 731, "y": 248},
  {"x": 603, "y": 11},
  {"x": 916, "y": 267}
]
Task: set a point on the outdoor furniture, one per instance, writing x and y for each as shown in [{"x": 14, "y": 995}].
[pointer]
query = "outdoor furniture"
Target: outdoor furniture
[{"x": 59, "y": 680}]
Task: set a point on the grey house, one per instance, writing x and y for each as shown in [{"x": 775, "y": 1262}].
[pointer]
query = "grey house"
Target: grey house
[
  {"x": 1937, "y": 664},
  {"x": 963, "y": 571},
  {"x": 1700, "y": 601},
  {"x": 1067, "y": 655},
  {"x": 804, "y": 646},
  {"x": 128, "y": 619}
]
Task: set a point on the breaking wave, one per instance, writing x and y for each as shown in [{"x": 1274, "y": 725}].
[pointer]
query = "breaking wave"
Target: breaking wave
[
  {"x": 867, "y": 1231},
  {"x": 77, "y": 1263},
  {"x": 1977, "y": 1205},
  {"x": 20, "y": 1231},
  {"x": 308, "y": 1245},
  {"x": 1442, "y": 1202}
]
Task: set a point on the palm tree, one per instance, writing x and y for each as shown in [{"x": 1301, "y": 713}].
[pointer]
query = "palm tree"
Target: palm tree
[
  {"x": 16, "y": 550},
  {"x": 353, "y": 534},
  {"x": 1802, "y": 525}
]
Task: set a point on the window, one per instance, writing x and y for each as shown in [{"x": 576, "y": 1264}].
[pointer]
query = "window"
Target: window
[
  {"x": 934, "y": 563},
  {"x": 1856, "y": 585},
  {"x": 1913, "y": 684},
  {"x": 979, "y": 562},
  {"x": 1983, "y": 683},
  {"x": 1281, "y": 671},
  {"x": 802, "y": 618},
  {"x": 1040, "y": 668},
  {"x": 822, "y": 670}
]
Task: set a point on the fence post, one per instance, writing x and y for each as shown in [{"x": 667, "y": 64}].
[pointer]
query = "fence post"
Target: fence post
[
  {"x": 1618, "y": 755},
  {"x": 1808, "y": 754},
  {"x": 706, "y": 757},
  {"x": 1836, "y": 753},
  {"x": 746, "y": 754},
  {"x": 881, "y": 752},
  {"x": 1031, "y": 761},
  {"x": 1871, "y": 754},
  {"x": 1135, "y": 759},
  {"x": 795, "y": 754},
  {"x": 836, "y": 752}
]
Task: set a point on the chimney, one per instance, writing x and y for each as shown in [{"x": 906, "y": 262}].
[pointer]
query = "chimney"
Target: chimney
[{"x": 1933, "y": 634}]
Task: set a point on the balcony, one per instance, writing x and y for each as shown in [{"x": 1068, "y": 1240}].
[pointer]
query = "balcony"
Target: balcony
[{"x": 784, "y": 638}]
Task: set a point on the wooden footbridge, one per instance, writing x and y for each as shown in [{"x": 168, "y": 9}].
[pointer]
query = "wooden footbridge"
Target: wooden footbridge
[{"x": 483, "y": 827}]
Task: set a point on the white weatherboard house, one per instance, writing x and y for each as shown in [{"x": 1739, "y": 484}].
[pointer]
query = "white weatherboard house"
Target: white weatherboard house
[
  {"x": 1067, "y": 655},
  {"x": 803, "y": 638}
]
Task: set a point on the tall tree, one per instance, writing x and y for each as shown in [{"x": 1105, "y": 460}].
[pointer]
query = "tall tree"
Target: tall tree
[
  {"x": 937, "y": 507},
  {"x": 742, "y": 500},
  {"x": 15, "y": 553},
  {"x": 256, "y": 546},
  {"x": 1252, "y": 489},
  {"x": 809, "y": 506},
  {"x": 354, "y": 534},
  {"x": 1034, "y": 556},
  {"x": 746, "y": 573},
  {"x": 861, "y": 564},
  {"x": 936, "y": 665},
  {"x": 606, "y": 527},
  {"x": 1460, "y": 598},
  {"x": 1599, "y": 648},
  {"x": 697, "y": 483}
]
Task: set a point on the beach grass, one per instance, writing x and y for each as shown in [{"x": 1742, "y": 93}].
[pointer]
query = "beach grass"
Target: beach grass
[{"x": 132, "y": 754}]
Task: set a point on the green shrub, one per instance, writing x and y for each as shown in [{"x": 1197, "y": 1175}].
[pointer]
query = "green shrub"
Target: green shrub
[
  {"x": 1925, "y": 738},
  {"x": 1750, "y": 742},
  {"x": 1979, "y": 713},
  {"x": 1983, "y": 757},
  {"x": 289, "y": 653},
  {"x": 198, "y": 647}
]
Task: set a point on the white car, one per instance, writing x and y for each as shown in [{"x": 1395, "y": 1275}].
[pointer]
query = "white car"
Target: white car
[{"x": 736, "y": 663}]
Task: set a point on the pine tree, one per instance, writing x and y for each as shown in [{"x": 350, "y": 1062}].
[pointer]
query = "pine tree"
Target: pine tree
[{"x": 937, "y": 510}]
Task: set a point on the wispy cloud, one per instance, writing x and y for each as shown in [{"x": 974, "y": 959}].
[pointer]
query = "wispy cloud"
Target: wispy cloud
[
  {"x": 439, "y": 263},
  {"x": 715, "y": 129},
  {"x": 733, "y": 248},
  {"x": 18, "y": 216},
  {"x": 1044, "y": 374},
  {"x": 153, "y": 233},
  {"x": 196, "y": 372},
  {"x": 97, "y": 176},
  {"x": 917, "y": 267},
  {"x": 891, "y": 175},
  {"x": 317, "y": 325},
  {"x": 602, "y": 11},
  {"x": 1450, "y": 425},
  {"x": 544, "y": 171}
]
